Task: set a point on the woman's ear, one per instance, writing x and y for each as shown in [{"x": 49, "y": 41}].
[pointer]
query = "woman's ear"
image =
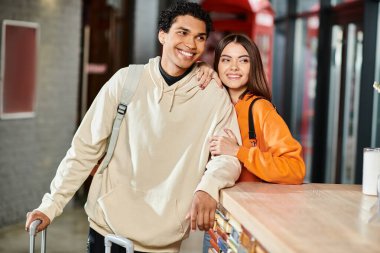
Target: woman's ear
[{"x": 161, "y": 37}]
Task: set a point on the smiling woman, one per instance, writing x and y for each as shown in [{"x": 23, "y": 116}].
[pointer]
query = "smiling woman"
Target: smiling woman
[{"x": 270, "y": 154}]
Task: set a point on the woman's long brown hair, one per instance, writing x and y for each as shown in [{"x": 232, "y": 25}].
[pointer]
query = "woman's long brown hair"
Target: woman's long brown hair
[{"x": 257, "y": 82}]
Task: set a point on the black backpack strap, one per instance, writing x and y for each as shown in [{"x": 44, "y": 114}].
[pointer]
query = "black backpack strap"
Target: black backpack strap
[{"x": 252, "y": 133}]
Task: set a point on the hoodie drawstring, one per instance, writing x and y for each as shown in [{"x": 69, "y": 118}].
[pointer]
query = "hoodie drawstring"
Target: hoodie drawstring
[
  {"x": 162, "y": 94},
  {"x": 161, "y": 91},
  {"x": 172, "y": 100}
]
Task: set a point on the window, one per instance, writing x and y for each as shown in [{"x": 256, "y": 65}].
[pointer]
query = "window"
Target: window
[
  {"x": 375, "y": 142},
  {"x": 307, "y": 6},
  {"x": 304, "y": 90},
  {"x": 338, "y": 2},
  {"x": 280, "y": 7},
  {"x": 18, "y": 69},
  {"x": 279, "y": 49}
]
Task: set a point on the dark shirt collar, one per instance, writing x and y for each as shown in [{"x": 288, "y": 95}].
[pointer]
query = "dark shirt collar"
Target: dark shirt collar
[{"x": 173, "y": 79}]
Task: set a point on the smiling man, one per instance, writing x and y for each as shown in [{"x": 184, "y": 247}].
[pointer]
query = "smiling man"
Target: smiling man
[
  {"x": 183, "y": 43},
  {"x": 161, "y": 181}
]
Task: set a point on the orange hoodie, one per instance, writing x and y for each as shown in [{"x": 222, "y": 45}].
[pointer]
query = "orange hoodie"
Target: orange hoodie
[{"x": 277, "y": 156}]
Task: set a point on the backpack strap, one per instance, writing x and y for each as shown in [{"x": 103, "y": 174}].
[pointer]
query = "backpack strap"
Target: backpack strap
[
  {"x": 129, "y": 89},
  {"x": 251, "y": 124},
  {"x": 251, "y": 132}
]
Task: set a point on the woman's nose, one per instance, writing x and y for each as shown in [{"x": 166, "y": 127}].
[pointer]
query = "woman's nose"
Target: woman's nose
[{"x": 234, "y": 66}]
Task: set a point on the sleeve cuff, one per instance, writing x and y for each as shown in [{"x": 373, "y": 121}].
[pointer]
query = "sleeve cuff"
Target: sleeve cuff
[
  {"x": 47, "y": 207},
  {"x": 210, "y": 186}
]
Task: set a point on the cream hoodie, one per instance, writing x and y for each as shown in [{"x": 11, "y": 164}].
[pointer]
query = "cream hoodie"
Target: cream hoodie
[{"x": 158, "y": 163}]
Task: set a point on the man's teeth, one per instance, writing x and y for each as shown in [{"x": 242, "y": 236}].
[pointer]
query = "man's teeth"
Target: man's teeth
[{"x": 186, "y": 53}]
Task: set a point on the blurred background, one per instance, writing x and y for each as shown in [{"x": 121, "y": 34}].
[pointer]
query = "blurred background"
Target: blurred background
[{"x": 321, "y": 57}]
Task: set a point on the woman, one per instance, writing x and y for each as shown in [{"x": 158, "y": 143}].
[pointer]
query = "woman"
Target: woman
[{"x": 274, "y": 155}]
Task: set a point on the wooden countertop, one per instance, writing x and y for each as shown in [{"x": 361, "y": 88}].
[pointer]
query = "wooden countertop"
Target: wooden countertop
[{"x": 306, "y": 218}]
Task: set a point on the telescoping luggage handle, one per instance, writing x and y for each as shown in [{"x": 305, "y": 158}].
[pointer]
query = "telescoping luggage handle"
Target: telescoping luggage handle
[
  {"x": 124, "y": 242},
  {"x": 32, "y": 235}
]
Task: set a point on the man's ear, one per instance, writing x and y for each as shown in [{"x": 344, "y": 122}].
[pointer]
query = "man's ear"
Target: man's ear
[{"x": 161, "y": 37}]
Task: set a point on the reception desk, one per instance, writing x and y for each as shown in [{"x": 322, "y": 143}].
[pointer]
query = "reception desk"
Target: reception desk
[{"x": 306, "y": 218}]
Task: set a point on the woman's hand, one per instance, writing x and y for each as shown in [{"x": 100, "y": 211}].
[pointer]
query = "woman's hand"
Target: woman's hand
[
  {"x": 224, "y": 145},
  {"x": 205, "y": 74}
]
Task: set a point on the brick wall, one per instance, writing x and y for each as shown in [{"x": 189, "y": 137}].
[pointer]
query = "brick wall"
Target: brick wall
[{"x": 31, "y": 149}]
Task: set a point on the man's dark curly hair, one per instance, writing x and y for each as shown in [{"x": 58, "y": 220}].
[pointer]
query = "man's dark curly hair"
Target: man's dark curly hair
[{"x": 182, "y": 8}]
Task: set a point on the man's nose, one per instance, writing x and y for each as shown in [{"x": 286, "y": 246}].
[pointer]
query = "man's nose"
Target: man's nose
[{"x": 190, "y": 43}]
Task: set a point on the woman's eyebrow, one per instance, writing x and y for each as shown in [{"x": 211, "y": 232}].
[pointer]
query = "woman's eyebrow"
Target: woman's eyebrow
[{"x": 241, "y": 56}]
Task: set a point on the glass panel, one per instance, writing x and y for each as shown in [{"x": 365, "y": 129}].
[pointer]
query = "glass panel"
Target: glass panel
[
  {"x": 305, "y": 68},
  {"x": 375, "y": 142},
  {"x": 333, "y": 104},
  {"x": 337, "y": 2},
  {"x": 351, "y": 102},
  {"x": 278, "y": 65},
  {"x": 263, "y": 43},
  {"x": 280, "y": 7},
  {"x": 116, "y": 4},
  {"x": 299, "y": 78},
  {"x": 307, "y": 5}
]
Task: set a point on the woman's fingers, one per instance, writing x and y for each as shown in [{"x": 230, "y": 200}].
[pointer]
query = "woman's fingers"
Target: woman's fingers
[
  {"x": 205, "y": 74},
  {"x": 217, "y": 79},
  {"x": 200, "y": 74},
  {"x": 215, "y": 138},
  {"x": 214, "y": 146},
  {"x": 230, "y": 134}
]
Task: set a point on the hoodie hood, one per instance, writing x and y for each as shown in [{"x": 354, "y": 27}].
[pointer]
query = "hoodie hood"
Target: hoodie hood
[{"x": 179, "y": 92}]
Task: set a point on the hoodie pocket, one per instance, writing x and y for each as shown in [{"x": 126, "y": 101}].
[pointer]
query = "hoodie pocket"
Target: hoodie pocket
[
  {"x": 150, "y": 218},
  {"x": 99, "y": 187}
]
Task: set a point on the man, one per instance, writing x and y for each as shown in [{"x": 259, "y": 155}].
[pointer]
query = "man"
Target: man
[{"x": 156, "y": 186}]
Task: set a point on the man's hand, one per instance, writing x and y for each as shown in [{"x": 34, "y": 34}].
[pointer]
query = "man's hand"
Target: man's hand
[
  {"x": 202, "y": 211},
  {"x": 37, "y": 215},
  {"x": 205, "y": 74}
]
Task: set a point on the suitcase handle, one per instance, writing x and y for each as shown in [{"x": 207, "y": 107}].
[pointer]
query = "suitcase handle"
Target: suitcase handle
[
  {"x": 32, "y": 235},
  {"x": 124, "y": 242}
]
